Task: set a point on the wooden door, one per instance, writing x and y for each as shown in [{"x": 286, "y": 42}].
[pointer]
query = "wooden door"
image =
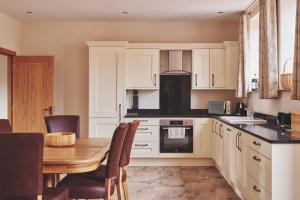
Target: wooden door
[
  {"x": 33, "y": 92},
  {"x": 200, "y": 68},
  {"x": 106, "y": 82},
  {"x": 142, "y": 68},
  {"x": 217, "y": 68}
]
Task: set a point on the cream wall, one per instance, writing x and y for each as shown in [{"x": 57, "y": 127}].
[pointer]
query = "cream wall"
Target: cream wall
[
  {"x": 9, "y": 33},
  {"x": 66, "y": 41}
]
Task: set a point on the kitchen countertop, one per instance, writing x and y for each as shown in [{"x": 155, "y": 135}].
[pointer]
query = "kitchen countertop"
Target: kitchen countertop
[{"x": 268, "y": 132}]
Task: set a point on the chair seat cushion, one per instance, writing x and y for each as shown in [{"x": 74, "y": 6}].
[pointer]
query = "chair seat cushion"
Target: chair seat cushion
[
  {"x": 100, "y": 172},
  {"x": 61, "y": 193},
  {"x": 86, "y": 187}
]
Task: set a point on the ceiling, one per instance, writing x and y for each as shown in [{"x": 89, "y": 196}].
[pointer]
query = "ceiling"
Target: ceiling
[{"x": 111, "y": 10}]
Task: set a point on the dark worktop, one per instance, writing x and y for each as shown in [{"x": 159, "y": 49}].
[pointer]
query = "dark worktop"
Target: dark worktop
[{"x": 269, "y": 132}]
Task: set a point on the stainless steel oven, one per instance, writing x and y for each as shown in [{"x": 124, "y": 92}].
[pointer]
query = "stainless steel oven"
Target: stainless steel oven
[{"x": 176, "y": 136}]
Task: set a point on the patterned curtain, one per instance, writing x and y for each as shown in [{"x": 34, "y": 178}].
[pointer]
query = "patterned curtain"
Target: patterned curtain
[
  {"x": 296, "y": 70},
  {"x": 268, "y": 64},
  {"x": 242, "y": 85}
]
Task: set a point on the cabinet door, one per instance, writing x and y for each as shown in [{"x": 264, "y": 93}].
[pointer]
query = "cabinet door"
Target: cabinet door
[
  {"x": 213, "y": 139},
  {"x": 200, "y": 69},
  {"x": 220, "y": 146},
  {"x": 142, "y": 68},
  {"x": 232, "y": 64},
  {"x": 102, "y": 127},
  {"x": 106, "y": 81},
  {"x": 202, "y": 136},
  {"x": 217, "y": 68},
  {"x": 239, "y": 159}
]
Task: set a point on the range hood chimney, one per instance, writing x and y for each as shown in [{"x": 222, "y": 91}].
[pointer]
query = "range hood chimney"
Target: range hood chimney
[{"x": 175, "y": 63}]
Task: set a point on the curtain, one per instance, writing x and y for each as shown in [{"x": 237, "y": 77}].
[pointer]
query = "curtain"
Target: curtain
[
  {"x": 296, "y": 69},
  {"x": 242, "y": 85},
  {"x": 268, "y": 64}
]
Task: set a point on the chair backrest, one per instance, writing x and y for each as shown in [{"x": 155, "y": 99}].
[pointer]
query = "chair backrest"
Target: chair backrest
[
  {"x": 5, "y": 126},
  {"x": 21, "y": 165},
  {"x": 113, "y": 160},
  {"x": 63, "y": 123},
  {"x": 127, "y": 146}
]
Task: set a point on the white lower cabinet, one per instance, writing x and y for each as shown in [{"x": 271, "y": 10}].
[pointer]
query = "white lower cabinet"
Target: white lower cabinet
[
  {"x": 146, "y": 141},
  {"x": 202, "y": 138},
  {"x": 102, "y": 127}
]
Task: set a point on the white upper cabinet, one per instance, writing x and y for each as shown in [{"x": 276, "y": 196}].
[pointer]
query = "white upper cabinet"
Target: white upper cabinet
[
  {"x": 106, "y": 86},
  {"x": 200, "y": 68},
  {"x": 232, "y": 64},
  {"x": 217, "y": 68},
  {"x": 142, "y": 68}
]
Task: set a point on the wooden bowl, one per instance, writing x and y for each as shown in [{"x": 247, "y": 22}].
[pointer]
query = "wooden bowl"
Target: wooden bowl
[{"x": 60, "y": 139}]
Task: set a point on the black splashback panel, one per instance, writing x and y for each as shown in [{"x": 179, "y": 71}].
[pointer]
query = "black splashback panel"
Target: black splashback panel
[{"x": 175, "y": 94}]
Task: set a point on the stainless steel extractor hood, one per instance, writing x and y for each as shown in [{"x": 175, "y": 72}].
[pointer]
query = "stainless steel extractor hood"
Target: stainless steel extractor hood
[{"x": 175, "y": 64}]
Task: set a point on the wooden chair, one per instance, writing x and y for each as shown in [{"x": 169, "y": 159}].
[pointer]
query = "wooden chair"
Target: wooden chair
[
  {"x": 5, "y": 126},
  {"x": 21, "y": 166},
  {"x": 85, "y": 187},
  {"x": 63, "y": 123},
  {"x": 121, "y": 180}
]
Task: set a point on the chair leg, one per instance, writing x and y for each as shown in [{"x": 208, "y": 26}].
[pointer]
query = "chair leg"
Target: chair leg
[
  {"x": 118, "y": 185},
  {"x": 125, "y": 189},
  {"x": 107, "y": 187}
]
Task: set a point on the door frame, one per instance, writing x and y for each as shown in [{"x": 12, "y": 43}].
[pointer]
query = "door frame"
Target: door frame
[{"x": 10, "y": 57}]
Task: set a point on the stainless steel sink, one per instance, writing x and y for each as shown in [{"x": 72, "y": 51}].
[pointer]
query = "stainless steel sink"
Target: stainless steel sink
[{"x": 243, "y": 120}]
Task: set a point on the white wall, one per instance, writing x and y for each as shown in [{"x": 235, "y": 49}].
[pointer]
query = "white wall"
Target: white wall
[
  {"x": 272, "y": 107},
  {"x": 3, "y": 88},
  {"x": 66, "y": 41},
  {"x": 9, "y": 33}
]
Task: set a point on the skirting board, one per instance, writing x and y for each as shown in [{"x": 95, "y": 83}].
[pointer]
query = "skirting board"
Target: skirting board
[{"x": 171, "y": 162}]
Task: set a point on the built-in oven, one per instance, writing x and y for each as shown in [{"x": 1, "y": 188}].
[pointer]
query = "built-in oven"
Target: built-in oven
[{"x": 176, "y": 136}]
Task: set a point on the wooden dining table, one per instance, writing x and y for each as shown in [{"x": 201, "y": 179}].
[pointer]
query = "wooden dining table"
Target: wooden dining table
[{"x": 86, "y": 155}]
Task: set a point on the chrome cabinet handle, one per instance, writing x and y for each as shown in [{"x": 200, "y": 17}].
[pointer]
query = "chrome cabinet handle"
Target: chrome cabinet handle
[
  {"x": 141, "y": 145},
  {"x": 239, "y": 135},
  {"x": 255, "y": 188},
  {"x": 213, "y": 131},
  {"x": 220, "y": 127},
  {"x": 120, "y": 112},
  {"x": 143, "y": 120},
  {"x": 142, "y": 129},
  {"x": 228, "y": 129},
  {"x": 196, "y": 79},
  {"x": 213, "y": 79},
  {"x": 154, "y": 79},
  {"x": 256, "y": 159},
  {"x": 256, "y": 143}
]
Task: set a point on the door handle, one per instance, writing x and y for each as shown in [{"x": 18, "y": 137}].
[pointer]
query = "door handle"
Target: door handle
[
  {"x": 196, "y": 79},
  {"x": 256, "y": 158},
  {"x": 239, "y": 135},
  {"x": 50, "y": 110},
  {"x": 213, "y": 79}
]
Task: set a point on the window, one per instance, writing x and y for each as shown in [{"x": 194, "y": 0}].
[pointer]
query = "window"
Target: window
[{"x": 253, "y": 72}]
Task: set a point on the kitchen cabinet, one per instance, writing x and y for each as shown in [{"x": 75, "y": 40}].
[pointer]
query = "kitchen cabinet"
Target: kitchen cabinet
[
  {"x": 106, "y": 90},
  {"x": 202, "y": 138},
  {"x": 232, "y": 64},
  {"x": 142, "y": 68},
  {"x": 102, "y": 127},
  {"x": 217, "y": 68},
  {"x": 209, "y": 69},
  {"x": 200, "y": 68},
  {"x": 219, "y": 144},
  {"x": 146, "y": 141}
]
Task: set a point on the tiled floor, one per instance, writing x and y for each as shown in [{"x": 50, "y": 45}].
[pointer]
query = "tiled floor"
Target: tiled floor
[{"x": 178, "y": 183}]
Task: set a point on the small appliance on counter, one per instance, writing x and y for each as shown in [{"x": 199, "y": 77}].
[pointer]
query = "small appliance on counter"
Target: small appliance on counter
[
  {"x": 284, "y": 119},
  {"x": 219, "y": 107},
  {"x": 241, "y": 109}
]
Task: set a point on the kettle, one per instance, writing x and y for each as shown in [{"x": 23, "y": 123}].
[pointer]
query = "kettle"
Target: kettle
[{"x": 240, "y": 109}]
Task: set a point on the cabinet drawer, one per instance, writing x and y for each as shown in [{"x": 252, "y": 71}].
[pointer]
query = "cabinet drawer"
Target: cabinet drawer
[
  {"x": 144, "y": 121},
  {"x": 145, "y": 149},
  {"x": 260, "y": 146},
  {"x": 256, "y": 191},
  {"x": 259, "y": 168},
  {"x": 147, "y": 133}
]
